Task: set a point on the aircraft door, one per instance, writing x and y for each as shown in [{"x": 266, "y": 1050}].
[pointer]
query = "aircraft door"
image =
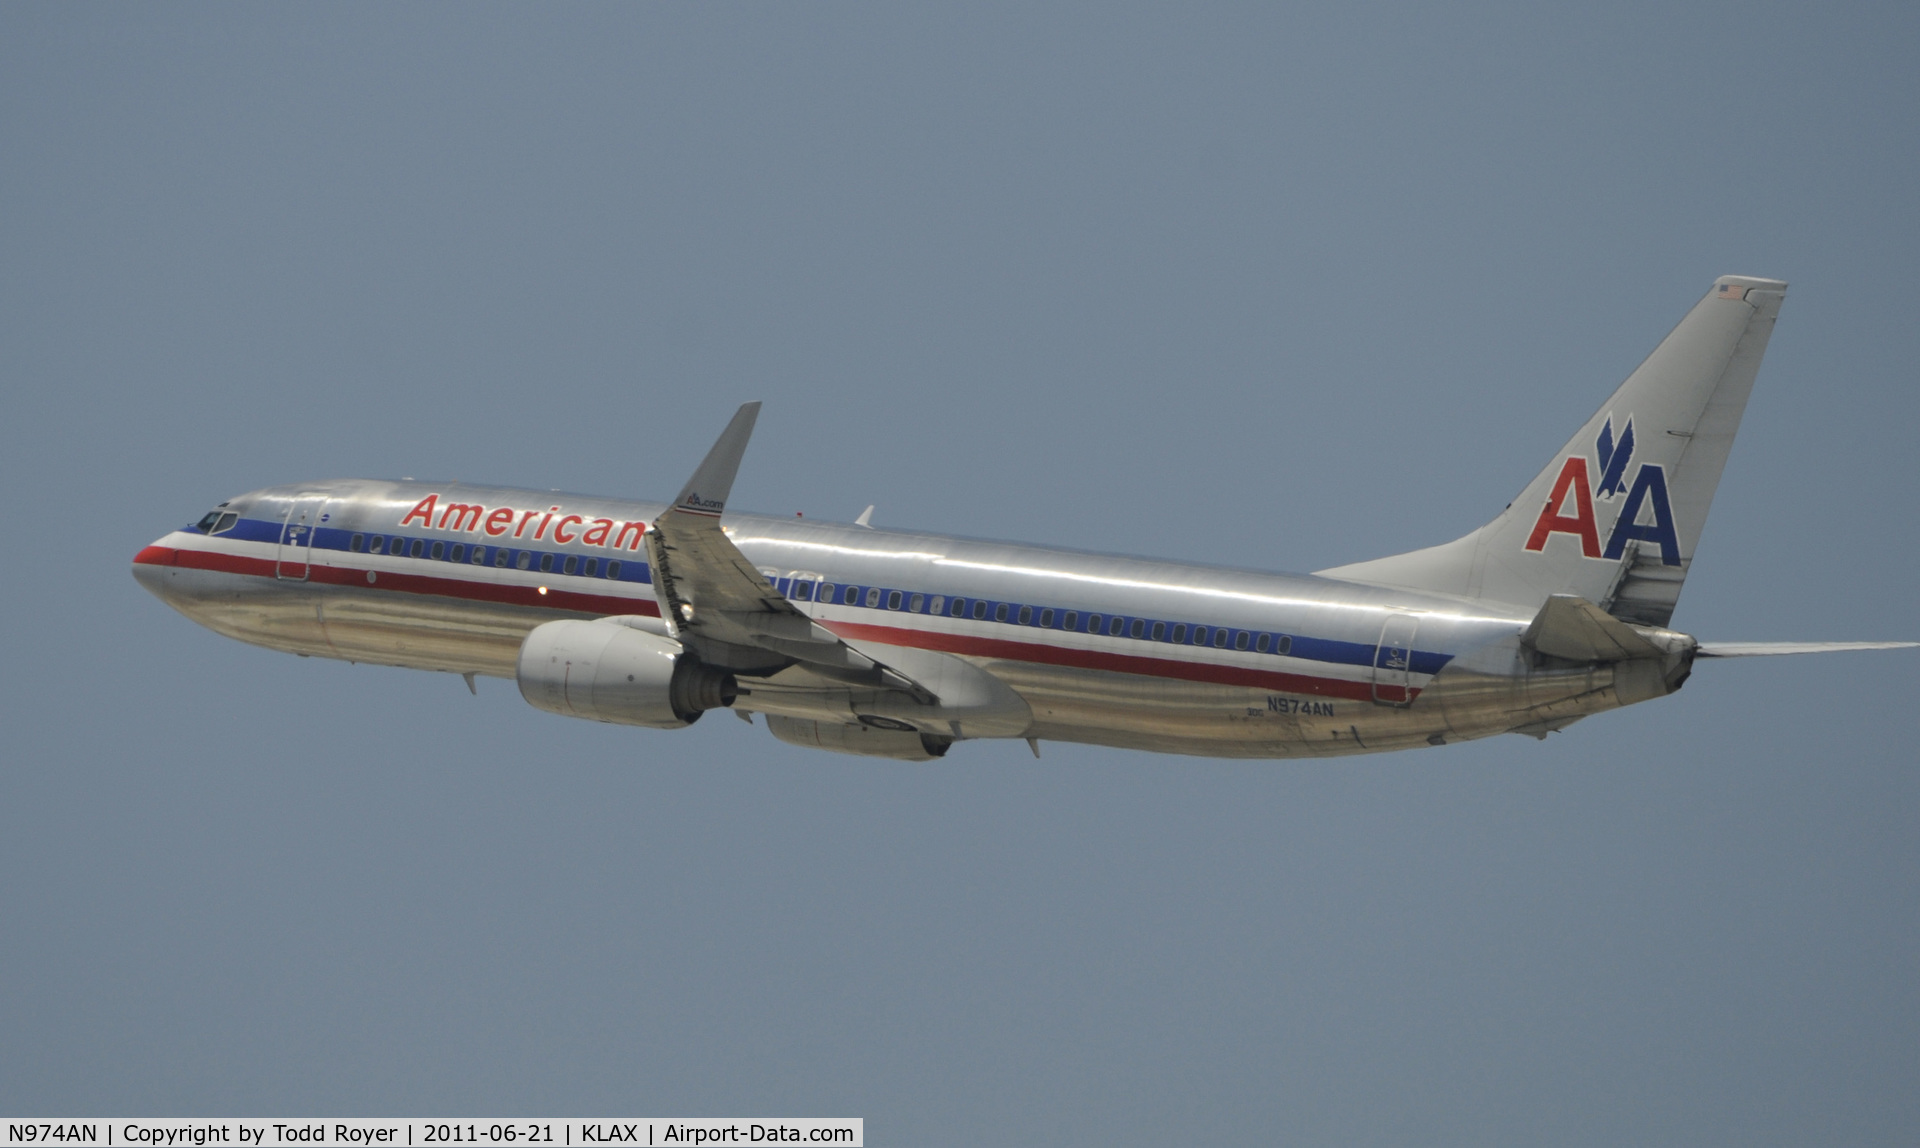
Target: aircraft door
[
  {"x": 293, "y": 562},
  {"x": 1393, "y": 661}
]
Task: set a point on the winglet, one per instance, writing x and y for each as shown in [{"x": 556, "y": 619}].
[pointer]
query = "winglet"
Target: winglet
[
  {"x": 706, "y": 492},
  {"x": 865, "y": 519}
]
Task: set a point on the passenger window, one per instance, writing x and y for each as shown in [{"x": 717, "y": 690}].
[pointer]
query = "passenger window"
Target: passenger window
[
  {"x": 1219, "y": 638},
  {"x": 1240, "y": 640},
  {"x": 979, "y": 608},
  {"x": 802, "y": 591},
  {"x": 1072, "y": 621},
  {"x": 1159, "y": 631},
  {"x": 226, "y": 523},
  {"x": 439, "y": 551},
  {"x": 1199, "y": 635},
  {"x": 356, "y": 542},
  {"x": 1114, "y": 626},
  {"x": 418, "y": 548},
  {"x": 1026, "y": 615},
  {"x": 1093, "y": 623},
  {"x": 873, "y": 596},
  {"x": 1046, "y": 619},
  {"x": 592, "y": 569},
  {"x": 914, "y": 603},
  {"x": 502, "y": 556},
  {"x": 613, "y": 569},
  {"x": 937, "y": 604},
  {"x": 1139, "y": 628},
  {"x": 893, "y": 599},
  {"x": 826, "y": 592},
  {"x": 1180, "y": 634},
  {"x": 459, "y": 553},
  {"x": 525, "y": 560},
  {"x": 377, "y": 545},
  {"x": 958, "y": 608},
  {"x": 1265, "y": 641},
  {"x": 546, "y": 564},
  {"x": 479, "y": 556},
  {"x": 571, "y": 564}
]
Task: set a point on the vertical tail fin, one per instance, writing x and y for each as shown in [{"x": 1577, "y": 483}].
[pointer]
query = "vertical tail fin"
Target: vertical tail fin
[{"x": 1616, "y": 514}]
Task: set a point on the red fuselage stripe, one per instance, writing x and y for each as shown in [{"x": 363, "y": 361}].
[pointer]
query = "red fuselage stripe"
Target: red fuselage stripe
[
  {"x": 554, "y": 599},
  {"x": 1117, "y": 663}
]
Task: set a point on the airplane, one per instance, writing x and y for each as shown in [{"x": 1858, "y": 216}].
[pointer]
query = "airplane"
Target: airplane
[{"x": 900, "y": 644}]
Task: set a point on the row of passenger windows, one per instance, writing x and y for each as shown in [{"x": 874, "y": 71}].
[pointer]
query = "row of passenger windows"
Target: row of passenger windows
[
  {"x": 502, "y": 557},
  {"x": 1044, "y": 617},
  {"x": 871, "y": 597}
]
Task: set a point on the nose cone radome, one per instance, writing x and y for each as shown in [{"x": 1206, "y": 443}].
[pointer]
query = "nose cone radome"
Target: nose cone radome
[{"x": 153, "y": 567}]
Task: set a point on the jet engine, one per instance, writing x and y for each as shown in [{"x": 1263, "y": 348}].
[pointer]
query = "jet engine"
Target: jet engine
[
  {"x": 904, "y": 744},
  {"x": 608, "y": 672}
]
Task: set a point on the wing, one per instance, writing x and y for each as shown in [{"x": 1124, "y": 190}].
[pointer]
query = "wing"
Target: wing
[
  {"x": 719, "y": 605},
  {"x": 716, "y": 602}
]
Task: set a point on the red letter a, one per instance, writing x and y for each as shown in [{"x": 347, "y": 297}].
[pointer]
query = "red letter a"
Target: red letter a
[
  {"x": 1572, "y": 474},
  {"x": 423, "y": 510}
]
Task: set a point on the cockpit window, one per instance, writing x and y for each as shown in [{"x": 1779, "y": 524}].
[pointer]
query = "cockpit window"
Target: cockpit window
[{"x": 216, "y": 521}]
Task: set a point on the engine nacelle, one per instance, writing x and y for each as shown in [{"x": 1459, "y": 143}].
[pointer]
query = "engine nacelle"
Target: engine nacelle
[
  {"x": 613, "y": 673},
  {"x": 866, "y": 740}
]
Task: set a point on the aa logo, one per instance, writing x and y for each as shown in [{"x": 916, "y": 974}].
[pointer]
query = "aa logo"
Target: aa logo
[{"x": 1570, "y": 506}]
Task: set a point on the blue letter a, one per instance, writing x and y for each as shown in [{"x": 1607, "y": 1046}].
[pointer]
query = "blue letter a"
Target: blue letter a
[{"x": 1652, "y": 480}]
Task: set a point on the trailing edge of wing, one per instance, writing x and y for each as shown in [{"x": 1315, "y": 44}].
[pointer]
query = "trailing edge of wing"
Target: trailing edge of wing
[{"x": 1758, "y": 649}]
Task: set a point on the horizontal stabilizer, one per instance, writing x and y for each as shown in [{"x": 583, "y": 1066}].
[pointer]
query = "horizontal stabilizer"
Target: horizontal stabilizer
[
  {"x": 1758, "y": 649},
  {"x": 1571, "y": 627}
]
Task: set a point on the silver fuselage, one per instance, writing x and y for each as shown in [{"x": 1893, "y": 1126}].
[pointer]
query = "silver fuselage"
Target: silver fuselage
[{"x": 1104, "y": 649}]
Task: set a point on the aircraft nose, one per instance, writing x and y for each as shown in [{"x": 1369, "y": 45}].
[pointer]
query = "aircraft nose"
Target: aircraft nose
[{"x": 152, "y": 568}]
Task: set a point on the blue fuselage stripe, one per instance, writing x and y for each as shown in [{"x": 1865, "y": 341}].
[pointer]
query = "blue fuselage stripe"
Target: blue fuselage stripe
[{"x": 633, "y": 569}]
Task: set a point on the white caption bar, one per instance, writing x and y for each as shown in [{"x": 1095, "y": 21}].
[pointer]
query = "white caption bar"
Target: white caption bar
[{"x": 557, "y": 1132}]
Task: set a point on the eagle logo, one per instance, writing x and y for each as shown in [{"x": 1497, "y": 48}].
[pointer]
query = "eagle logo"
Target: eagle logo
[{"x": 1614, "y": 457}]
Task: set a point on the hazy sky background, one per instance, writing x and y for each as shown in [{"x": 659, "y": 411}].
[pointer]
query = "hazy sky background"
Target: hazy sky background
[{"x": 1282, "y": 289}]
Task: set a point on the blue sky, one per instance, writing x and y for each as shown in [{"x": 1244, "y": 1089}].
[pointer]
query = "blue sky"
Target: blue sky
[{"x": 1281, "y": 289}]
